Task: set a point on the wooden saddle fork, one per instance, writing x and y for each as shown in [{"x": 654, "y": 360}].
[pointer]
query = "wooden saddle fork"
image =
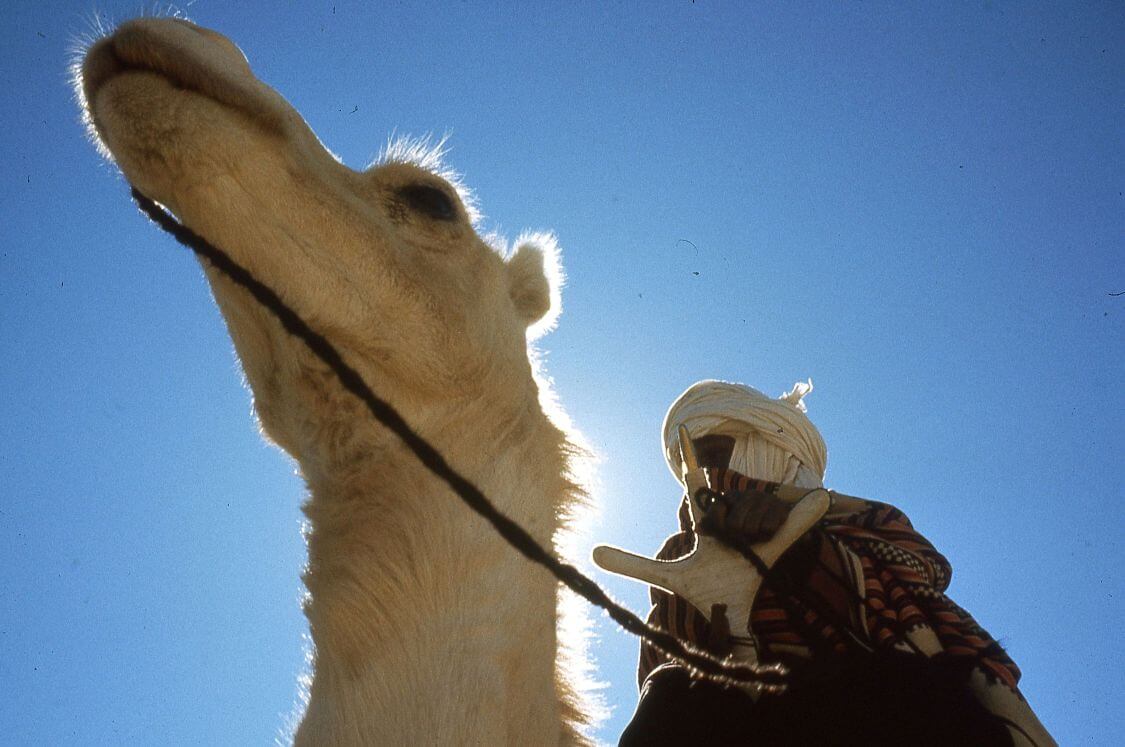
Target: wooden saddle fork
[{"x": 715, "y": 573}]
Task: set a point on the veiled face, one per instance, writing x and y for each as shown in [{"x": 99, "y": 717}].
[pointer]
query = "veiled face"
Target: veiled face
[{"x": 714, "y": 450}]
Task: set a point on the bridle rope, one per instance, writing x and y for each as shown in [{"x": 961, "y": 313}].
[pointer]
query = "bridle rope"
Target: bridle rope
[{"x": 768, "y": 677}]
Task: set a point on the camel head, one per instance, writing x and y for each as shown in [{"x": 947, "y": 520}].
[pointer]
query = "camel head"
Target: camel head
[{"x": 385, "y": 262}]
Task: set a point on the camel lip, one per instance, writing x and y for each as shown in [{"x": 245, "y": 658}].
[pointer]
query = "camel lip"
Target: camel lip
[
  {"x": 135, "y": 50},
  {"x": 99, "y": 66},
  {"x": 105, "y": 62}
]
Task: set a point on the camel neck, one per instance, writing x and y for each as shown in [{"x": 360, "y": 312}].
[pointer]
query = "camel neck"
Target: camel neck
[{"x": 408, "y": 591}]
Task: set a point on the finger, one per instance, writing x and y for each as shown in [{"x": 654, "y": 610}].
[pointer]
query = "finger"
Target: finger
[
  {"x": 776, "y": 512},
  {"x": 739, "y": 507},
  {"x": 715, "y": 520},
  {"x": 746, "y": 519},
  {"x": 718, "y": 641},
  {"x": 720, "y": 625}
]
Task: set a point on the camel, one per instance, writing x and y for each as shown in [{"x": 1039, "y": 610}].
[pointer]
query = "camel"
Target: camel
[{"x": 426, "y": 627}]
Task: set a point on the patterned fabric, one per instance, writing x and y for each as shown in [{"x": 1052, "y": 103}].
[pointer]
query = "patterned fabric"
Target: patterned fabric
[{"x": 864, "y": 574}]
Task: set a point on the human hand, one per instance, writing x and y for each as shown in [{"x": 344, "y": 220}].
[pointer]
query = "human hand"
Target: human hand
[
  {"x": 744, "y": 518},
  {"x": 718, "y": 638}
]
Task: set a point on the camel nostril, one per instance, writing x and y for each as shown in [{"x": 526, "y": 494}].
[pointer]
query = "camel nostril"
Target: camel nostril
[
  {"x": 217, "y": 38},
  {"x": 184, "y": 22}
]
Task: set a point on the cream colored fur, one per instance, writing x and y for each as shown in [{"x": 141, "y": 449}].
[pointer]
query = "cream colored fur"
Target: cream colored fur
[{"x": 427, "y": 628}]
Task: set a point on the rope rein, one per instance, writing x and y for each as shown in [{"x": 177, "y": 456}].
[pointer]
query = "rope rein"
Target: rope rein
[{"x": 767, "y": 677}]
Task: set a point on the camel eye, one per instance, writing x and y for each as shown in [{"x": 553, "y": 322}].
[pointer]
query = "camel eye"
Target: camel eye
[{"x": 430, "y": 201}]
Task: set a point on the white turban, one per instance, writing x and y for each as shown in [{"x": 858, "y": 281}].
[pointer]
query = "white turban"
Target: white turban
[{"x": 774, "y": 439}]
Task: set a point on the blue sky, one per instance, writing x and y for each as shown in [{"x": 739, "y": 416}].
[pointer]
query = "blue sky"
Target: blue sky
[{"x": 921, "y": 209}]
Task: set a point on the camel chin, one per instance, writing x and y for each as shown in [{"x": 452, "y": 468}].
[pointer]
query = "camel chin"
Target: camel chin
[{"x": 426, "y": 627}]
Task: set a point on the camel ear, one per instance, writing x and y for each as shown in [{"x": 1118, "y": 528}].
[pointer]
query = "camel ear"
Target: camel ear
[{"x": 534, "y": 280}]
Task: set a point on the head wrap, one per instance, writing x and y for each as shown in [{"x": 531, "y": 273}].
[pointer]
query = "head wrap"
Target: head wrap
[{"x": 774, "y": 439}]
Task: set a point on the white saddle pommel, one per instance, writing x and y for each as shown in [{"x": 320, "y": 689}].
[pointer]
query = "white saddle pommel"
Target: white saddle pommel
[{"x": 714, "y": 573}]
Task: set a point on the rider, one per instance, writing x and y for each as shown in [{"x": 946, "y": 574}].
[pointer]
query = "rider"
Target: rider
[{"x": 856, "y": 608}]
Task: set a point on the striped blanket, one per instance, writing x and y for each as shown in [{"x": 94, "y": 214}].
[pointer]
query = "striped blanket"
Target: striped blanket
[{"x": 863, "y": 573}]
